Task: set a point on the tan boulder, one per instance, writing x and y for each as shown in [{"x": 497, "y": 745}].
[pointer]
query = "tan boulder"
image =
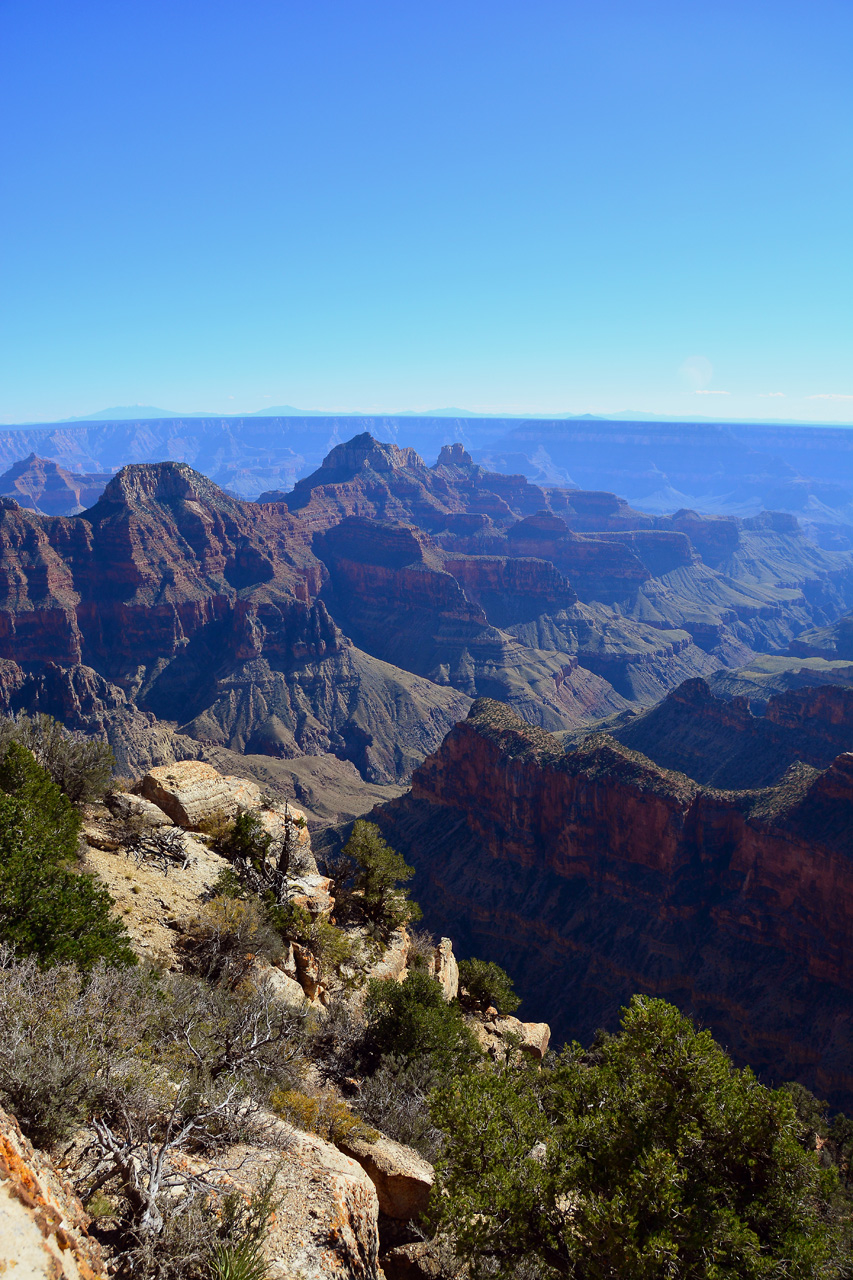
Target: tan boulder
[
  {"x": 394, "y": 959},
  {"x": 496, "y": 1034},
  {"x": 312, "y": 893},
  {"x": 191, "y": 791},
  {"x": 535, "y": 1038},
  {"x": 403, "y": 1179},
  {"x": 327, "y": 1220},
  {"x": 43, "y": 1225},
  {"x": 284, "y": 988}
]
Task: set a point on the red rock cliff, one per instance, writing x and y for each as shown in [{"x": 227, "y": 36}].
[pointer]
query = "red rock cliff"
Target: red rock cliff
[{"x": 595, "y": 873}]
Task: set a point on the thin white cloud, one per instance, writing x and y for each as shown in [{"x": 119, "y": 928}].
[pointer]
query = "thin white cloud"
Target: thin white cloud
[
  {"x": 771, "y": 395},
  {"x": 830, "y": 395},
  {"x": 696, "y": 371},
  {"x": 703, "y": 391}
]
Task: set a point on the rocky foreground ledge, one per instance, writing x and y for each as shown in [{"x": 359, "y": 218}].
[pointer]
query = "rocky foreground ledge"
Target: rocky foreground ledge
[{"x": 342, "y": 1205}]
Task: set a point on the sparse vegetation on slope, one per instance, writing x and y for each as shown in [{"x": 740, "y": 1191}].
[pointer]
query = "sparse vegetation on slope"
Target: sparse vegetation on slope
[{"x": 648, "y": 1156}]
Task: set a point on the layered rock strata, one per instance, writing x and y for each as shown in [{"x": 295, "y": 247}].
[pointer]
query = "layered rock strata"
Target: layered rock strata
[
  {"x": 593, "y": 874},
  {"x": 723, "y": 743},
  {"x": 170, "y": 600}
]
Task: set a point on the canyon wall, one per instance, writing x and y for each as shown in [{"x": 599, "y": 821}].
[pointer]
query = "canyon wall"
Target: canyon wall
[{"x": 593, "y": 874}]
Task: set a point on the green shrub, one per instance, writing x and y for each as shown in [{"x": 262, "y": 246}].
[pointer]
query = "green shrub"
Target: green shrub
[
  {"x": 243, "y": 1261},
  {"x": 396, "y": 1098},
  {"x": 218, "y": 826},
  {"x": 246, "y": 839},
  {"x": 47, "y": 909},
  {"x": 411, "y": 1019},
  {"x": 80, "y": 766},
  {"x": 229, "y": 885},
  {"x": 293, "y": 922},
  {"x": 651, "y": 1157},
  {"x": 333, "y": 948},
  {"x": 483, "y": 983},
  {"x": 238, "y": 1254}
]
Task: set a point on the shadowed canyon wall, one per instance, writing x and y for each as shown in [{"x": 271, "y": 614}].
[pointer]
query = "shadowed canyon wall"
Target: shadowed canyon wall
[{"x": 593, "y": 874}]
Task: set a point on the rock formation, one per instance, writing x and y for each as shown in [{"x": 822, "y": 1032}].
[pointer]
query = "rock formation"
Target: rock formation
[
  {"x": 355, "y": 620},
  {"x": 43, "y": 1226},
  {"x": 42, "y": 485},
  {"x": 724, "y": 744},
  {"x": 592, "y": 874},
  {"x": 170, "y": 599}
]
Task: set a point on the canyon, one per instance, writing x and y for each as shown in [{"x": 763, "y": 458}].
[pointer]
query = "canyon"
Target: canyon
[
  {"x": 728, "y": 468},
  {"x": 612, "y": 742},
  {"x": 594, "y": 873},
  {"x": 352, "y": 619}
]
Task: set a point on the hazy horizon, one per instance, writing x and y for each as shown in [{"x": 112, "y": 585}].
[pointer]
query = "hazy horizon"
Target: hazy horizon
[{"x": 145, "y": 413}]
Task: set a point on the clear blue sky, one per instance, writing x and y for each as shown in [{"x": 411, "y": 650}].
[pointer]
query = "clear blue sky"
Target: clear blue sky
[{"x": 583, "y": 205}]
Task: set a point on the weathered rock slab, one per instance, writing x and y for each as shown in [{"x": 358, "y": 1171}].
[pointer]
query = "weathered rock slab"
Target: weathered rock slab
[
  {"x": 403, "y": 1179},
  {"x": 191, "y": 791},
  {"x": 43, "y": 1225}
]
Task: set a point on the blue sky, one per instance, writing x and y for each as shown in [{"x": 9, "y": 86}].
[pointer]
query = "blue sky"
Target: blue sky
[{"x": 591, "y": 205}]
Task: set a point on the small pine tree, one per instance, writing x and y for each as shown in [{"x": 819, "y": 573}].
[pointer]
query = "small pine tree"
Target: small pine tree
[
  {"x": 484, "y": 983},
  {"x": 47, "y": 909},
  {"x": 377, "y": 872}
]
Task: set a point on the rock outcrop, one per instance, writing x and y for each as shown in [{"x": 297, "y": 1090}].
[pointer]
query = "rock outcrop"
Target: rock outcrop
[
  {"x": 500, "y": 1035},
  {"x": 43, "y": 1226},
  {"x": 42, "y": 485},
  {"x": 722, "y": 743},
  {"x": 327, "y": 1220},
  {"x": 403, "y": 1179},
  {"x": 595, "y": 873},
  {"x": 444, "y": 968}
]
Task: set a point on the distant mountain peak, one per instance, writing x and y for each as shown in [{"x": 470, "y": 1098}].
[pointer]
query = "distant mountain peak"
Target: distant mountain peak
[
  {"x": 129, "y": 412},
  {"x": 364, "y": 452},
  {"x": 141, "y": 484}
]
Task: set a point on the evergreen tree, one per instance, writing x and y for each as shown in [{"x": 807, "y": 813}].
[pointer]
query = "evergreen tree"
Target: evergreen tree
[
  {"x": 375, "y": 871},
  {"x": 47, "y": 908},
  {"x": 650, "y": 1157}
]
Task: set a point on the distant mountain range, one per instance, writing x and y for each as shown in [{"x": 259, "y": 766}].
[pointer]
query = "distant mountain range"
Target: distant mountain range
[
  {"x": 717, "y": 468},
  {"x": 147, "y": 413}
]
